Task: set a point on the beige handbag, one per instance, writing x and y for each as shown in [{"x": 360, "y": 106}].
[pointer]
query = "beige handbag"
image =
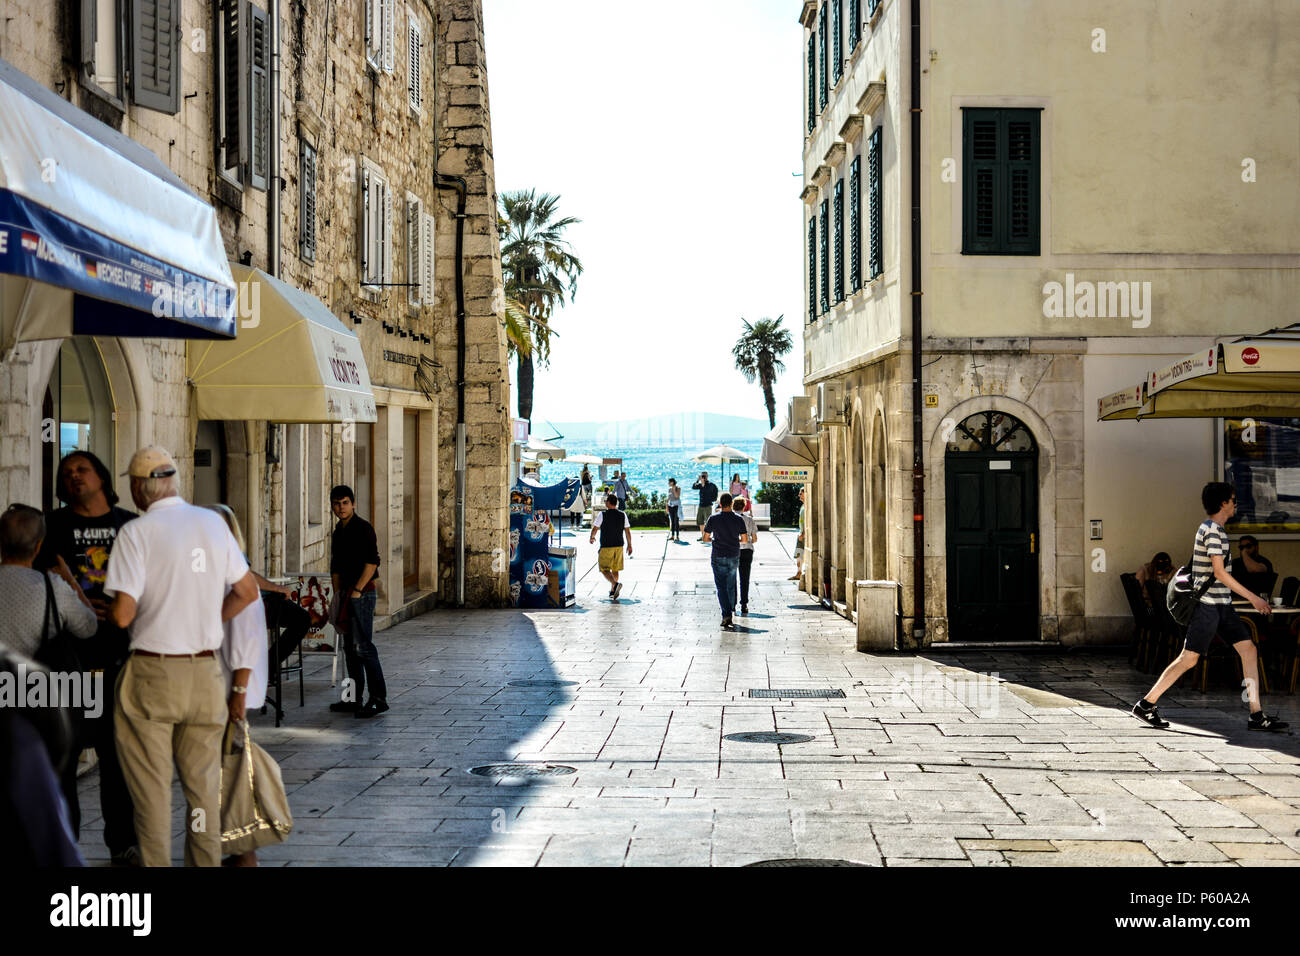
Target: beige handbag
[{"x": 254, "y": 808}]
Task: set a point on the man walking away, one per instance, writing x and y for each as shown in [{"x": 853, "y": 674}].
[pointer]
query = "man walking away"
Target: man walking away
[
  {"x": 354, "y": 565},
  {"x": 745, "y": 510},
  {"x": 621, "y": 490},
  {"x": 175, "y": 575},
  {"x": 614, "y": 527},
  {"x": 1215, "y": 613},
  {"x": 708, "y": 495},
  {"x": 82, "y": 534},
  {"x": 726, "y": 530}
]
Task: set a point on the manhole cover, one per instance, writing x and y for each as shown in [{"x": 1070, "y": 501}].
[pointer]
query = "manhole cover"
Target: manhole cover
[
  {"x": 521, "y": 770},
  {"x": 768, "y": 737},
  {"x": 796, "y": 692},
  {"x": 805, "y": 863},
  {"x": 541, "y": 683}
]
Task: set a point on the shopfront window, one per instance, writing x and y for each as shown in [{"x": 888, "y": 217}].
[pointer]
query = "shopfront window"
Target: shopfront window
[{"x": 1261, "y": 458}]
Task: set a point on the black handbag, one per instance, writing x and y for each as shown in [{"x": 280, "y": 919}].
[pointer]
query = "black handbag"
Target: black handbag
[
  {"x": 58, "y": 649},
  {"x": 1182, "y": 597}
]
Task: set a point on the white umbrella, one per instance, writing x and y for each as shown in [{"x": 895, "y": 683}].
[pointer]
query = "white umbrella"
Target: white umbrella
[
  {"x": 544, "y": 450},
  {"x": 585, "y": 459},
  {"x": 724, "y": 455}
]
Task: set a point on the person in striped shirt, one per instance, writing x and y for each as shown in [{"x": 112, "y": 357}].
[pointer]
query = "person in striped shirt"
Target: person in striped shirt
[{"x": 1215, "y": 613}]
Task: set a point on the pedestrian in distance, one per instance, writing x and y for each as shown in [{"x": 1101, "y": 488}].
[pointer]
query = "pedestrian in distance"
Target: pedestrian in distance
[
  {"x": 726, "y": 531},
  {"x": 1214, "y": 614},
  {"x": 354, "y": 567},
  {"x": 176, "y": 573},
  {"x": 708, "y": 495},
  {"x": 80, "y": 537},
  {"x": 614, "y": 527},
  {"x": 586, "y": 486},
  {"x": 737, "y": 488},
  {"x": 622, "y": 490},
  {"x": 674, "y": 506},
  {"x": 798, "y": 544},
  {"x": 745, "y": 509}
]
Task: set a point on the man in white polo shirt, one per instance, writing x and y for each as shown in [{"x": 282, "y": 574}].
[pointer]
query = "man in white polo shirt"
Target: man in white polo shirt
[{"x": 175, "y": 574}]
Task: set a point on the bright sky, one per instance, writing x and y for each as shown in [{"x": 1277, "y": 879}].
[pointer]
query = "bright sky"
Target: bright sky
[{"x": 672, "y": 130}]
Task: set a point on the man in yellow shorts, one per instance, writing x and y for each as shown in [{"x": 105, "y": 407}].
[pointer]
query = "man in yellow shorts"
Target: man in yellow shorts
[{"x": 613, "y": 526}]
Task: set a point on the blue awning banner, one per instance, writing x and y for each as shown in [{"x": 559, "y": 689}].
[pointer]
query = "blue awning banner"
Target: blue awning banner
[{"x": 556, "y": 497}]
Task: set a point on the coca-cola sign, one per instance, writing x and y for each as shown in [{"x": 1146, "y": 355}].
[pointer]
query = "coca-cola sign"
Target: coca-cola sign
[{"x": 1250, "y": 355}]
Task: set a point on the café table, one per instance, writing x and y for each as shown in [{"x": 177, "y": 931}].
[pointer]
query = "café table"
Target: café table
[{"x": 1284, "y": 617}]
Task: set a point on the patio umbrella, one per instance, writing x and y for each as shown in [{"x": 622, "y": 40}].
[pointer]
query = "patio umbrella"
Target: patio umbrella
[
  {"x": 724, "y": 455},
  {"x": 1255, "y": 376},
  {"x": 585, "y": 459},
  {"x": 544, "y": 450}
]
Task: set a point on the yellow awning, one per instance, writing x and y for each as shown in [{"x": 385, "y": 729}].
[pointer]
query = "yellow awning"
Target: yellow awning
[{"x": 291, "y": 360}]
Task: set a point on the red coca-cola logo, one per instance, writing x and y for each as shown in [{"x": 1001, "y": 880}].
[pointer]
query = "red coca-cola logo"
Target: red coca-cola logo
[{"x": 1250, "y": 355}]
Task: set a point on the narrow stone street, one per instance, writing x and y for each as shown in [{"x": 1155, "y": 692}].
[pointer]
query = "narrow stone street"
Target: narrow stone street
[{"x": 961, "y": 758}]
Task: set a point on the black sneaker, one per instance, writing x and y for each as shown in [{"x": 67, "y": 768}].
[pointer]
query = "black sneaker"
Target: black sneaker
[
  {"x": 728, "y": 624},
  {"x": 618, "y": 589},
  {"x": 372, "y": 709},
  {"x": 345, "y": 707},
  {"x": 1149, "y": 716},
  {"x": 744, "y": 610},
  {"x": 1262, "y": 721}
]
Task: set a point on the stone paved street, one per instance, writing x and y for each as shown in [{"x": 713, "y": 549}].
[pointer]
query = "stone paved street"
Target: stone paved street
[{"x": 927, "y": 760}]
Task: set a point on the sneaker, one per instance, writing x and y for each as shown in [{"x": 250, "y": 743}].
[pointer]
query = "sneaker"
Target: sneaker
[
  {"x": 373, "y": 708},
  {"x": 728, "y": 624},
  {"x": 793, "y": 577},
  {"x": 128, "y": 857},
  {"x": 744, "y": 610},
  {"x": 1149, "y": 716},
  {"x": 1262, "y": 721},
  {"x": 345, "y": 707},
  {"x": 618, "y": 589}
]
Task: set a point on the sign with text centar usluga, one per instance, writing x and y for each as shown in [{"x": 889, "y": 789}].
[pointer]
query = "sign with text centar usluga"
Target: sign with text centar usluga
[{"x": 784, "y": 474}]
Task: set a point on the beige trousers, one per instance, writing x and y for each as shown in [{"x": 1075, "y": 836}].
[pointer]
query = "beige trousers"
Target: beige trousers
[{"x": 173, "y": 710}]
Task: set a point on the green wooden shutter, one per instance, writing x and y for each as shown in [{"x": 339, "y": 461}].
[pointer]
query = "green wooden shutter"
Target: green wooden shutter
[
  {"x": 837, "y": 293},
  {"x": 156, "y": 54},
  {"x": 1000, "y": 181},
  {"x": 855, "y": 24},
  {"x": 1020, "y": 129},
  {"x": 837, "y": 39},
  {"x": 234, "y": 79},
  {"x": 812, "y": 268},
  {"x": 825, "y": 230},
  {"x": 307, "y": 203},
  {"x": 823, "y": 46},
  {"x": 876, "y": 266},
  {"x": 259, "y": 97},
  {"x": 855, "y": 225},
  {"x": 812, "y": 80}
]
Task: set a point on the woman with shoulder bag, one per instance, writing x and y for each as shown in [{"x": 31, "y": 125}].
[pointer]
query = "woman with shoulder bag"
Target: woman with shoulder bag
[{"x": 38, "y": 612}]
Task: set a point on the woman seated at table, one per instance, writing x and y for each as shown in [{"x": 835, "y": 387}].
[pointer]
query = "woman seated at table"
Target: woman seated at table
[{"x": 1160, "y": 569}]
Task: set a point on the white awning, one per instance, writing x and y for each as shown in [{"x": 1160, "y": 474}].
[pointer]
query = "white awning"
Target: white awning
[
  {"x": 292, "y": 362},
  {"x": 97, "y": 235},
  {"x": 786, "y": 458}
]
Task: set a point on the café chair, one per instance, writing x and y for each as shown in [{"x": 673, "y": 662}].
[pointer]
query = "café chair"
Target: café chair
[
  {"x": 1167, "y": 633},
  {"x": 1290, "y": 589},
  {"x": 1222, "y": 645},
  {"x": 1141, "y": 620}
]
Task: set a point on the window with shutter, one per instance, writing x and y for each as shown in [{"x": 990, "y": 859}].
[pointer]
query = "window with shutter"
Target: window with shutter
[
  {"x": 855, "y": 24},
  {"x": 259, "y": 98},
  {"x": 876, "y": 264},
  {"x": 823, "y": 51},
  {"x": 824, "y": 227},
  {"x": 837, "y": 40},
  {"x": 388, "y": 28},
  {"x": 812, "y": 268},
  {"x": 837, "y": 291},
  {"x": 855, "y": 225},
  {"x": 812, "y": 81},
  {"x": 426, "y": 245},
  {"x": 103, "y": 48},
  {"x": 386, "y": 234},
  {"x": 307, "y": 203},
  {"x": 156, "y": 54},
  {"x": 872, "y": 6},
  {"x": 1000, "y": 181},
  {"x": 374, "y": 33},
  {"x": 233, "y": 96},
  {"x": 376, "y": 216},
  {"x": 414, "y": 249},
  {"x": 414, "y": 41}
]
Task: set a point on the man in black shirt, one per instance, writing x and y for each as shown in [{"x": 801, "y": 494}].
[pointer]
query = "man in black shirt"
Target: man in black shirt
[
  {"x": 708, "y": 494},
  {"x": 1253, "y": 569},
  {"x": 354, "y": 564},
  {"x": 726, "y": 530},
  {"x": 82, "y": 534}
]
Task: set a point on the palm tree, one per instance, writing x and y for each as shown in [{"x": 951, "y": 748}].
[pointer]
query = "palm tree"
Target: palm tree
[
  {"x": 539, "y": 269},
  {"x": 758, "y": 356}
]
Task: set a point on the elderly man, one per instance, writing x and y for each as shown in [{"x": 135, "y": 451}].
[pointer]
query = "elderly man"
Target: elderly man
[{"x": 175, "y": 574}]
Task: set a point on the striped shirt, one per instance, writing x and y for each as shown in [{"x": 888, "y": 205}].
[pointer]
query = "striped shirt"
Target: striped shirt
[{"x": 1210, "y": 541}]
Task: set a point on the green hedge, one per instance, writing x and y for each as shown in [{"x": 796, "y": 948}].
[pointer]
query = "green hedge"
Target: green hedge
[{"x": 648, "y": 519}]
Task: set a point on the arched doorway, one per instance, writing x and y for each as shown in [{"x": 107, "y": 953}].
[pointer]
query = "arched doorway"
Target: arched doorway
[
  {"x": 858, "y": 503},
  {"x": 879, "y": 553},
  {"x": 77, "y": 411},
  {"x": 841, "y": 556},
  {"x": 991, "y": 484}
]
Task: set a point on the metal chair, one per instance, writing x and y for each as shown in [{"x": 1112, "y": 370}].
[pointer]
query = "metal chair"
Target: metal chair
[
  {"x": 1290, "y": 589},
  {"x": 274, "y": 603}
]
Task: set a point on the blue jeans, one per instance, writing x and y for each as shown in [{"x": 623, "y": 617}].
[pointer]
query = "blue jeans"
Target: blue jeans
[
  {"x": 359, "y": 648},
  {"x": 724, "y": 578}
]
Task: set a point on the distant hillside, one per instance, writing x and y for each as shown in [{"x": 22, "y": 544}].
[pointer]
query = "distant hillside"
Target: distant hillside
[{"x": 687, "y": 428}]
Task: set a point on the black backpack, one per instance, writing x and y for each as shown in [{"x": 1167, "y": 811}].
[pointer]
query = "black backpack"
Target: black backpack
[{"x": 1182, "y": 597}]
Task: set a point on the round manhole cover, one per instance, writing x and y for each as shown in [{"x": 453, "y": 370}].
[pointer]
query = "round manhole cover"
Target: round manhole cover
[
  {"x": 768, "y": 737},
  {"x": 541, "y": 683},
  {"x": 805, "y": 863},
  {"x": 521, "y": 770}
]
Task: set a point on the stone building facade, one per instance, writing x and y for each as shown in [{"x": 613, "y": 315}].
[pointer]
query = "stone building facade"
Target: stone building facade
[
  {"x": 370, "y": 99},
  {"x": 1031, "y": 507}
]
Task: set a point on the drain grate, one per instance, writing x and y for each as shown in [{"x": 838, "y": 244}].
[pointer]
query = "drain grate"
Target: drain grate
[
  {"x": 768, "y": 737},
  {"x": 521, "y": 770},
  {"x": 541, "y": 683},
  {"x": 805, "y": 863},
  {"x": 823, "y": 694}
]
